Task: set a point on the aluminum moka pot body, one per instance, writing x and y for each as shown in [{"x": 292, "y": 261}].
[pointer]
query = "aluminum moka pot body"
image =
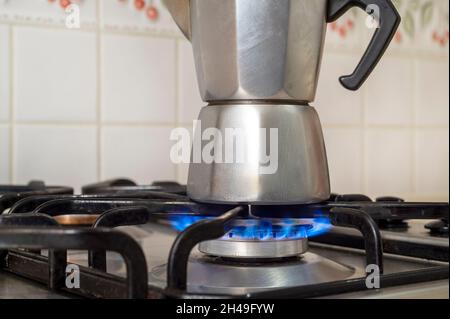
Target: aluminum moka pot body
[
  {"x": 258, "y": 63},
  {"x": 257, "y": 50}
]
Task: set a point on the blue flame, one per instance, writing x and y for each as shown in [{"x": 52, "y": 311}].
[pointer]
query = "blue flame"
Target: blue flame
[
  {"x": 320, "y": 226},
  {"x": 181, "y": 222},
  {"x": 263, "y": 229}
]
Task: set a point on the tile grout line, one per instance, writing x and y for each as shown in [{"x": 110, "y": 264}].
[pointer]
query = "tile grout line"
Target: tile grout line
[
  {"x": 108, "y": 29},
  {"x": 364, "y": 126},
  {"x": 99, "y": 66},
  {"x": 430, "y": 127},
  {"x": 414, "y": 129},
  {"x": 12, "y": 115},
  {"x": 89, "y": 124},
  {"x": 177, "y": 98},
  {"x": 166, "y": 33},
  {"x": 364, "y": 137},
  {"x": 55, "y": 123}
]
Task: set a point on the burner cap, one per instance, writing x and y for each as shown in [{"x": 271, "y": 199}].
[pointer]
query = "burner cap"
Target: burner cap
[
  {"x": 215, "y": 276},
  {"x": 260, "y": 239},
  {"x": 392, "y": 224},
  {"x": 439, "y": 227},
  {"x": 254, "y": 250}
]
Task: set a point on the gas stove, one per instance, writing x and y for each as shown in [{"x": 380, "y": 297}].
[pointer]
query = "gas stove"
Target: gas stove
[{"x": 122, "y": 240}]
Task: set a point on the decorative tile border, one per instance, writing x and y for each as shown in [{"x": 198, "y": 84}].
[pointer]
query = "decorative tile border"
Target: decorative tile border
[
  {"x": 424, "y": 22},
  {"x": 150, "y": 8},
  {"x": 135, "y": 16},
  {"x": 424, "y": 27},
  {"x": 47, "y": 12}
]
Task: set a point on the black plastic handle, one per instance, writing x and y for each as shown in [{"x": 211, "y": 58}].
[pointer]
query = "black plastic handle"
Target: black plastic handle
[{"x": 389, "y": 20}]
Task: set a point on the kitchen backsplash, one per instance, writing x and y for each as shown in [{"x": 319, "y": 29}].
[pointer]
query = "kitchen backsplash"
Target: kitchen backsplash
[{"x": 87, "y": 104}]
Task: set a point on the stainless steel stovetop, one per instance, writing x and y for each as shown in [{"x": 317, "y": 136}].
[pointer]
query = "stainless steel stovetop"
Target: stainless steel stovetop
[
  {"x": 321, "y": 264},
  {"x": 330, "y": 265}
]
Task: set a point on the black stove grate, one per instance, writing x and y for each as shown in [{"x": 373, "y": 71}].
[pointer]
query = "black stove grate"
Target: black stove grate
[
  {"x": 9, "y": 195},
  {"x": 123, "y": 203}
]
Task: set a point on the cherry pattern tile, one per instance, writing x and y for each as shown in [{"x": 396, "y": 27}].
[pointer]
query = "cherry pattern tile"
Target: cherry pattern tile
[
  {"x": 50, "y": 12},
  {"x": 137, "y": 16},
  {"x": 424, "y": 26},
  {"x": 425, "y": 23}
]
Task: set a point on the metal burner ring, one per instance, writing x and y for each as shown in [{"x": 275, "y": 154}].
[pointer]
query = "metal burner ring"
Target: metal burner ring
[{"x": 254, "y": 249}]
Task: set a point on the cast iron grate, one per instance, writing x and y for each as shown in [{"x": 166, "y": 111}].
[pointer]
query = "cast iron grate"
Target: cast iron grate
[{"x": 30, "y": 223}]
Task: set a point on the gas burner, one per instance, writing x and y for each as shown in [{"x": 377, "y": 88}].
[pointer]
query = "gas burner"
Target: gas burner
[
  {"x": 242, "y": 278},
  {"x": 249, "y": 250},
  {"x": 392, "y": 223},
  {"x": 252, "y": 239},
  {"x": 127, "y": 186},
  {"x": 243, "y": 252},
  {"x": 438, "y": 228},
  {"x": 76, "y": 220},
  {"x": 11, "y": 194}
]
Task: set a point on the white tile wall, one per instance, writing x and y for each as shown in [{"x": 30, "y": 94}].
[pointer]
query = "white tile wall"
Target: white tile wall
[
  {"x": 432, "y": 80},
  {"x": 345, "y": 146},
  {"x": 99, "y": 102},
  {"x": 189, "y": 99},
  {"x": 140, "y": 153},
  {"x": 388, "y": 162},
  {"x": 4, "y": 73},
  {"x": 335, "y": 104},
  {"x": 391, "y": 104},
  {"x": 432, "y": 162},
  {"x": 57, "y": 154},
  {"x": 4, "y": 154},
  {"x": 183, "y": 168},
  {"x": 138, "y": 76},
  {"x": 182, "y": 173},
  {"x": 49, "y": 82}
]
